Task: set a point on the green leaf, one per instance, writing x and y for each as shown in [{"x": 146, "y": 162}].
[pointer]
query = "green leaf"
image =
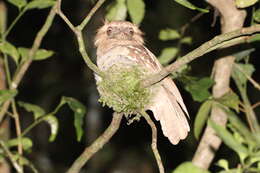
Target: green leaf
[
  {"x": 238, "y": 75},
  {"x": 188, "y": 167},
  {"x": 228, "y": 139},
  {"x": 186, "y": 40},
  {"x": 256, "y": 15},
  {"x": 189, "y": 5},
  {"x": 223, "y": 164},
  {"x": 244, "y": 53},
  {"x": 117, "y": 11},
  {"x": 199, "y": 89},
  {"x": 241, "y": 127},
  {"x": 169, "y": 34},
  {"x": 245, "y": 3},
  {"x": 42, "y": 54},
  {"x": 136, "y": 9},
  {"x": 230, "y": 100},
  {"x": 36, "y": 110},
  {"x": 24, "y": 53},
  {"x": 10, "y": 50},
  {"x": 201, "y": 117},
  {"x": 40, "y": 4},
  {"x": 79, "y": 113},
  {"x": 54, "y": 124},
  {"x": 26, "y": 142},
  {"x": 254, "y": 159},
  {"x": 18, "y": 3},
  {"x": 6, "y": 95},
  {"x": 167, "y": 55},
  {"x": 254, "y": 38},
  {"x": 24, "y": 161}
]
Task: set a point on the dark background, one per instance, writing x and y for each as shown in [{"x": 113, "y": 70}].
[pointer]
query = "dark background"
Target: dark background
[{"x": 65, "y": 74}]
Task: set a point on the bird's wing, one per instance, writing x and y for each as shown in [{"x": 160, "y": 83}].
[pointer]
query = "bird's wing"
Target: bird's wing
[{"x": 168, "y": 107}]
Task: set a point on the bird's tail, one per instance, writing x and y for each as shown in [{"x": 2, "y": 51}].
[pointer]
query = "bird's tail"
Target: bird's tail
[{"x": 168, "y": 108}]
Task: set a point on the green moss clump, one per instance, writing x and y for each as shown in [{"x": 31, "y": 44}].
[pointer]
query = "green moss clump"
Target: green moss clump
[{"x": 121, "y": 89}]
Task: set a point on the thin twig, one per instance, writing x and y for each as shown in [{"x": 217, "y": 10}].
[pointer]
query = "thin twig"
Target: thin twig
[
  {"x": 97, "y": 144},
  {"x": 255, "y": 105},
  {"x": 254, "y": 83},
  {"x": 78, "y": 32},
  {"x": 216, "y": 42},
  {"x": 11, "y": 157},
  {"x": 62, "y": 15},
  {"x": 90, "y": 14},
  {"x": 18, "y": 130},
  {"x": 85, "y": 56},
  {"x": 21, "y": 13},
  {"x": 192, "y": 20},
  {"x": 154, "y": 141},
  {"x": 17, "y": 127},
  {"x": 36, "y": 44}
]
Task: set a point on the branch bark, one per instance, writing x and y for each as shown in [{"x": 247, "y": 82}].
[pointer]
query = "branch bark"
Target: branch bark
[
  {"x": 154, "y": 141},
  {"x": 233, "y": 37},
  {"x": 97, "y": 144},
  {"x": 231, "y": 19},
  {"x": 5, "y": 126}
]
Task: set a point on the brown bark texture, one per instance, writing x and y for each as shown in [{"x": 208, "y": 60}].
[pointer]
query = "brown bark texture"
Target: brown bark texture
[{"x": 231, "y": 19}]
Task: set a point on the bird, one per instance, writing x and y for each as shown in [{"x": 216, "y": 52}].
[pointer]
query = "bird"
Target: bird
[{"x": 122, "y": 43}]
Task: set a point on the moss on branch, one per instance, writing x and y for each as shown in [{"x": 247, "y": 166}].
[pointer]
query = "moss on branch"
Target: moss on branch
[{"x": 121, "y": 89}]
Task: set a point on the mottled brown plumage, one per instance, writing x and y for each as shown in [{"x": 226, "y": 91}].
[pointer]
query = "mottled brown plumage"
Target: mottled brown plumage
[{"x": 121, "y": 42}]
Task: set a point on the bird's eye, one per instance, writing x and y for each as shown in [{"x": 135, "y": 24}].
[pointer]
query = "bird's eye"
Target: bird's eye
[
  {"x": 131, "y": 31},
  {"x": 109, "y": 30}
]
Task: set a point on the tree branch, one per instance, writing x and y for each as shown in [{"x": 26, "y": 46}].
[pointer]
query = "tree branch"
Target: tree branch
[
  {"x": 231, "y": 19},
  {"x": 90, "y": 14},
  {"x": 78, "y": 32},
  {"x": 97, "y": 144},
  {"x": 154, "y": 141},
  {"x": 215, "y": 43}
]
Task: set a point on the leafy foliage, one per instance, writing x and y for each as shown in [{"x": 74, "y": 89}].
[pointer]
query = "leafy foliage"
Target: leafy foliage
[
  {"x": 79, "y": 113},
  {"x": 238, "y": 74},
  {"x": 36, "y": 110},
  {"x": 7, "y": 95},
  {"x": 242, "y": 141},
  {"x": 40, "y": 4},
  {"x": 189, "y": 167},
  {"x": 26, "y": 143},
  {"x": 230, "y": 100},
  {"x": 117, "y": 10},
  {"x": 201, "y": 117},
  {"x": 18, "y": 3},
  {"x": 136, "y": 9},
  {"x": 167, "y": 55},
  {"x": 189, "y": 5},
  {"x": 10, "y": 50},
  {"x": 229, "y": 139},
  {"x": 257, "y": 15},
  {"x": 169, "y": 34},
  {"x": 245, "y": 3},
  {"x": 199, "y": 88}
]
